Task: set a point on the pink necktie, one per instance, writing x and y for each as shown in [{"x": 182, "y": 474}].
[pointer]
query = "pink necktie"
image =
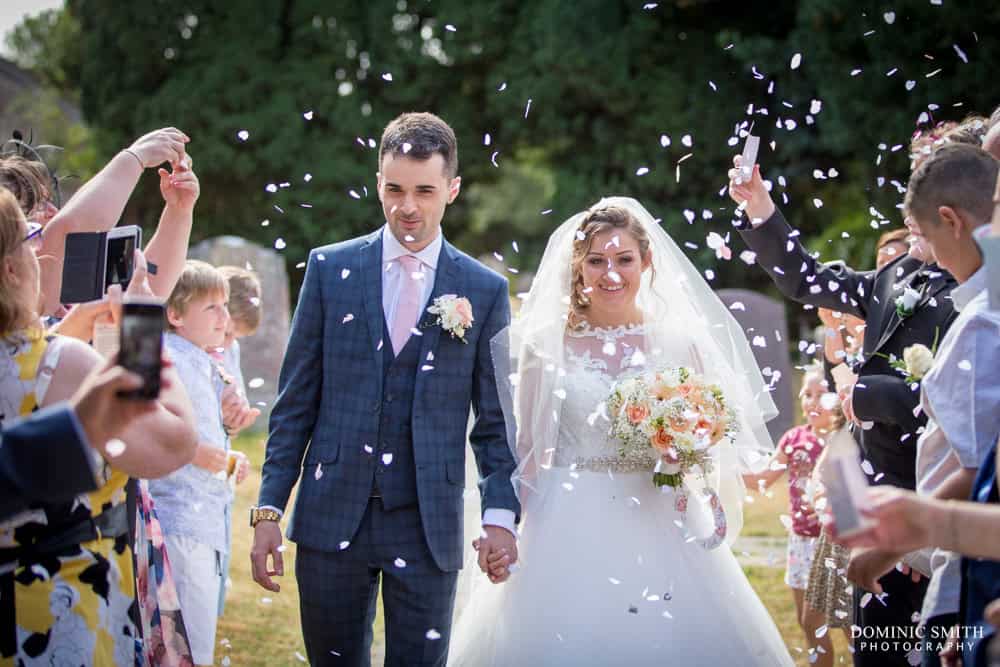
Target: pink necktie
[{"x": 408, "y": 307}]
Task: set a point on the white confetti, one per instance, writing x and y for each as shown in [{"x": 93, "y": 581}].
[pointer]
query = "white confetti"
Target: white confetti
[
  {"x": 965, "y": 365},
  {"x": 242, "y": 135},
  {"x": 687, "y": 140},
  {"x": 433, "y": 635},
  {"x": 256, "y": 383},
  {"x": 387, "y": 76},
  {"x": 664, "y": 140},
  {"x": 796, "y": 61},
  {"x": 271, "y": 187},
  {"x": 308, "y": 115},
  {"x": 642, "y": 171},
  {"x": 300, "y": 657},
  {"x": 319, "y": 472},
  {"x": 450, "y": 28},
  {"x": 114, "y": 447},
  {"x": 266, "y": 600},
  {"x": 279, "y": 243},
  {"x": 347, "y": 318},
  {"x": 399, "y": 562},
  {"x": 817, "y": 202},
  {"x": 343, "y": 545},
  {"x": 890, "y": 17},
  {"x": 344, "y": 274},
  {"x": 387, "y": 458}
]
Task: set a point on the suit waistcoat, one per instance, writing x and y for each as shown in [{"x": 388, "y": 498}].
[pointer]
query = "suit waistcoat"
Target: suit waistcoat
[{"x": 395, "y": 469}]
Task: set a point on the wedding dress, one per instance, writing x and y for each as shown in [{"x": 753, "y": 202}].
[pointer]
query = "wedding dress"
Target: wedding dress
[{"x": 609, "y": 572}]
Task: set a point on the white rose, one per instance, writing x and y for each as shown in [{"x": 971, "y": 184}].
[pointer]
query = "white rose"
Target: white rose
[
  {"x": 910, "y": 298},
  {"x": 918, "y": 360}
]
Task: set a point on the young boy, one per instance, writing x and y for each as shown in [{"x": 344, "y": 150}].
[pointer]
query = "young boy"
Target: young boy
[{"x": 193, "y": 501}]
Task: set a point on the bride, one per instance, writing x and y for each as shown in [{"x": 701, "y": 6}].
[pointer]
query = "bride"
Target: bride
[{"x": 609, "y": 571}]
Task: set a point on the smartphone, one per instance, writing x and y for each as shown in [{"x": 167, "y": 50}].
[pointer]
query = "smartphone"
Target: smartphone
[
  {"x": 93, "y": 261},
  {"x": 749, "y": 158},
  {"x": 119, "y": 257},
  {"x": 140, "y": 348},
  {"x": 845, "y": 483}
]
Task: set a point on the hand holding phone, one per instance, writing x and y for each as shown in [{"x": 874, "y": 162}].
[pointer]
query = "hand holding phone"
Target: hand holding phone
[
  {"x": 749, "y": 157},
  {"x": 141, "y": 344}
]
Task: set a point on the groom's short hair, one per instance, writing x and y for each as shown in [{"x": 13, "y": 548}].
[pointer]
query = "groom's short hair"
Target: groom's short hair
[
  {"x": 419, "y": 136},
  {"x": 955, "y": 175}
]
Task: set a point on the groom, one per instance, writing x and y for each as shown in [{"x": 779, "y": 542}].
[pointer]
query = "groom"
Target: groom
[{"x": 372, "y": 410}]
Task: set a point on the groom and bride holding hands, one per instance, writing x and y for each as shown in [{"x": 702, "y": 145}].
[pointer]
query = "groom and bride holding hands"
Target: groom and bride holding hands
[{"x": 397, "y": 334}]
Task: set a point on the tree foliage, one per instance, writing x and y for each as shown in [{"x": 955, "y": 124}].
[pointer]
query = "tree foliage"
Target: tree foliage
[{"x": 576, "y": 97}]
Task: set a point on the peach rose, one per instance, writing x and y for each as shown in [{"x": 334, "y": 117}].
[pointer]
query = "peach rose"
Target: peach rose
[
  {"x": 662, "y": 441},
  {"x": 684, "y": 389},
  {"x": 464, "y": 310},
  {"x": 679, "y": 423},
  {"x": 636, "y": 412}
]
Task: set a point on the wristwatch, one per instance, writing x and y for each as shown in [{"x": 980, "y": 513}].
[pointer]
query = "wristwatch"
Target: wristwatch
[{"x": 258, "y": 514}]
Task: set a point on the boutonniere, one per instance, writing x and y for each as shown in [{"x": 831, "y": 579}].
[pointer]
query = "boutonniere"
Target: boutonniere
[
  {"x": 454, "y": 314},
  {"x": 907, "y": 302},
  {"x": 917, "y": 360}
]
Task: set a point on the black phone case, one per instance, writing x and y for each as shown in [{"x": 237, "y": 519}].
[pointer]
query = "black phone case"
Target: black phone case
[{"x": 82, "y": 278}]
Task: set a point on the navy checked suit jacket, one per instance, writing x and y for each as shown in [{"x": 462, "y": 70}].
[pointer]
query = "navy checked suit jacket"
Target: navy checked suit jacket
[{"x": 330, "y": 396}]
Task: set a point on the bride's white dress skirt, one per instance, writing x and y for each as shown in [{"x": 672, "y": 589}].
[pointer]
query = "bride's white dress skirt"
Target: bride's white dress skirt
[{"x": 608, "y": 578}]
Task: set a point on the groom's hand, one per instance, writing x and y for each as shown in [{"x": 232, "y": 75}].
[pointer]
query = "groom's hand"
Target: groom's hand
[
  {"x": 267, "y": 542},
  {"x": 497, "y": 549}
]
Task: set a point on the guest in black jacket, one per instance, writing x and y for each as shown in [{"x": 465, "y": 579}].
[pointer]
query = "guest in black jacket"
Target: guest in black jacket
[{"x": 903, "y": 303}]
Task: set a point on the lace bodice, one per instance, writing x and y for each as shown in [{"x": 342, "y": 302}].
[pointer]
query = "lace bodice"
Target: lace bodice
[{"x": 594, "y": 358}]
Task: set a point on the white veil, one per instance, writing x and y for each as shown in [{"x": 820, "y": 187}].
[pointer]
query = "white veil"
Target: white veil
[{"x": 685, "y": 323}]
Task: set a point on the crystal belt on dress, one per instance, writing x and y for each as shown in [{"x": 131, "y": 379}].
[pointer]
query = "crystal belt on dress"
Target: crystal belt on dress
[{"x": 633, "y": 463}]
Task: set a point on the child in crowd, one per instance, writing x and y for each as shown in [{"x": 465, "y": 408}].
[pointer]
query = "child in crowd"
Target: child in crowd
[
  {"x": 244, "y": 320},
  {"x": 797, "y": 452},
  {"x": 192, "y": 502}
]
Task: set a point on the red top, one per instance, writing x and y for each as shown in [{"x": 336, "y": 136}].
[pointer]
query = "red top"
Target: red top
[{"x": 802, "y": 448}]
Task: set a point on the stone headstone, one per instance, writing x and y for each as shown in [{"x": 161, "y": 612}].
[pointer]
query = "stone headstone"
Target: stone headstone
[
  {"x": 763, "y": 320},
  {"x": 261, "y": 353}
]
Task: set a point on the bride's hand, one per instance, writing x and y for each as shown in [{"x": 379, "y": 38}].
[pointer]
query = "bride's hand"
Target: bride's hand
[
  {"x": 759, "y": 206},
  {"x": 497, "y": 549}
]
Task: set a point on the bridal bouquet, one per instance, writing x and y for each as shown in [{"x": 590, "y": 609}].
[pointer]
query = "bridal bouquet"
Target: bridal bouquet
[
  {"x": 673, "y": 414},
  {"x": 676, "y": 416}
]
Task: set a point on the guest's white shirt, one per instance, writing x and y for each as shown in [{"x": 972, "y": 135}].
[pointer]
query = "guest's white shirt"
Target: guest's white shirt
[{"x": 960, "y": 395}]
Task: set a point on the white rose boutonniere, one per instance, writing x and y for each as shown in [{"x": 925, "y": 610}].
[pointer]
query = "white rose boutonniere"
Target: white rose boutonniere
[
  {"x": 917, "y": 360},
  {"x": 907, "y": 302},
  {"x": 454, "y": 314}
]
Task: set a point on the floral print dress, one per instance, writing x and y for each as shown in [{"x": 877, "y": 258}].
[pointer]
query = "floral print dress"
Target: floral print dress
[{"x": 71, "y": 606}]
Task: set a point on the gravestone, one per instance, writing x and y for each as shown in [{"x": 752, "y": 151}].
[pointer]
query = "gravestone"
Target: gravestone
[
  {"x": 261, "y": 353},
  {"x": 762, "y": 316}
]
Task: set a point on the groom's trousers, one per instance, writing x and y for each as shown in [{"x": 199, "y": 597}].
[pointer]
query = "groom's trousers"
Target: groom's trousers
[{"x": 338, "y": 590}]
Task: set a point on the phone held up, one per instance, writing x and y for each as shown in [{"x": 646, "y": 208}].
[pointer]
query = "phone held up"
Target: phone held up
[
  {"x": 93, "y": 261},
  {"x": 141, "y": 344}
]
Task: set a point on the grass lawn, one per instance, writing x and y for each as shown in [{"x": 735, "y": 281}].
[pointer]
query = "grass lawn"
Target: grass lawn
[{"x": 262, "y": 628}]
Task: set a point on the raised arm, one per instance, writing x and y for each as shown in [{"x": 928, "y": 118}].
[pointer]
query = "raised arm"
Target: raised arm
[
  {"x": 168, "y": 247},
  {"x": 300, "y": 382},
  {"x": 795, "y": 272},
  {"x": 98, "y": 205}
]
